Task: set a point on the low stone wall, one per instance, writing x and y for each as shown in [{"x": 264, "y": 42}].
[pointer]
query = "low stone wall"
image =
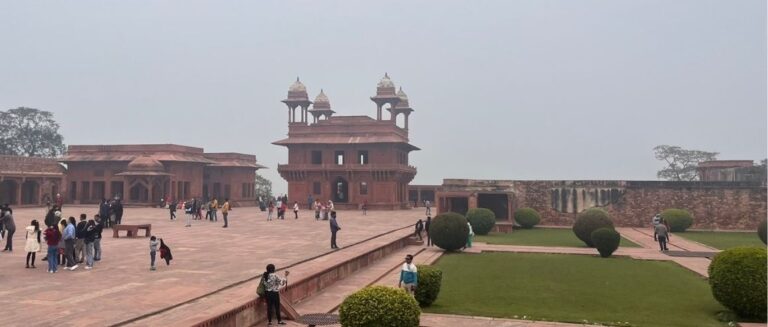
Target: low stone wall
[{"x": 254, "y": 311}]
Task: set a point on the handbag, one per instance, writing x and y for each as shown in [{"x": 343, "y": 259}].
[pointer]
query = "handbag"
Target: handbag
[{"x": 262, "y": 289}]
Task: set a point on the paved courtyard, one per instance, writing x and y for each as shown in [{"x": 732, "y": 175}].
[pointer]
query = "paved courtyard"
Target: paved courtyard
[{"x": 207, "y": 257}]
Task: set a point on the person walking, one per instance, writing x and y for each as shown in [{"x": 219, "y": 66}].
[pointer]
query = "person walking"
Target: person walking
[
  {"x": 428, "y": 205},
  {"x": 426, "y": 229},
  {"x": 52, "y": 238},
  {"x": 80, "y": 230},
  {"x": 309, "y": 201},
  {"x": 33, "y": 242},
  {"x": 470, "y": 236},
  {"x": 662, "y": 234},
  {"x": 172, "y": 210},
  {"x": 154, "y": 245},
  {"x": 118, "y": 207},
  {"x": 409, "y": 277},
  {"x": 655, "y": 221},
  {"x": 104, "y": 208},
  {"x": 6, "y": 218},
  {"x": 296, "y": 209},
  {"x": 365, "y": 208},
  {"x": 273, "y": 283},
  {"x": 283, "y": 209},
  {"x": 214, "y": 207},
  {"x": 225, "y": 212},
  {"x": 89, "y": 238},
  {"x": 62, "y": 246},
  {"x": 419, "y": 228},
  {"x": 97, "y": 237},
  {"x": 69, "y": 244},
  {"x": 334, "y": 229},
  {"x": 317, "y": 207},
  {"x": 270, "y": 210}
]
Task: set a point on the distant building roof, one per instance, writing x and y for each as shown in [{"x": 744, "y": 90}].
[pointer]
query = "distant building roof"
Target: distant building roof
[
  {"x": 21, "y": 165},
  {"x": 726, "y": 164}
]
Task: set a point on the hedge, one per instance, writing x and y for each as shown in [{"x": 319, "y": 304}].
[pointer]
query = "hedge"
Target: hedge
[
  {"x": 588, "y": 221},
  {"x": 482, "y": 220},
  {"x": 527, "y": 217},
  {"x": 678, "y": 219},
  {"x": 375, "y": 306},
  {"x": 449, "y": 231},
  {"x": 606, "y": 240},
  {"x": 430, "y": 280},
  {"x": 738, "y": 280}
]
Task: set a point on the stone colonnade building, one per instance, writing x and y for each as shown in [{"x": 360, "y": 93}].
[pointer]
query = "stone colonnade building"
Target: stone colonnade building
[
  {"x": 348, "y": 159},
  {"x": 29, "y": 180},
  {"x": 145, "y": 173}
]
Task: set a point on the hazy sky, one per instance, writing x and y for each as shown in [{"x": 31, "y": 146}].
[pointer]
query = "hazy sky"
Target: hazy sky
[{"x": 501, "y": 89}]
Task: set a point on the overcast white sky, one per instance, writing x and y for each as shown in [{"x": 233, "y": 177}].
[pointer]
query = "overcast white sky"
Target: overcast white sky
[{"x": 529, "y": 89}]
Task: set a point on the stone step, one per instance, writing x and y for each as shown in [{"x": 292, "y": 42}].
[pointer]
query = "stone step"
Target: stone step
[{"x": 331, "y": 298}]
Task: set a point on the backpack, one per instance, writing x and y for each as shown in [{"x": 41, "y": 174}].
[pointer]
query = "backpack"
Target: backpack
[{"x": 262, "y": 289}]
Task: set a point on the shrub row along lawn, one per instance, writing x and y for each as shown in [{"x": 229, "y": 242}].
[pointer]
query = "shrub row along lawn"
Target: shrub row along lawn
[
  {"x": 574, "y": 288},
  {"x": 723, "y": 240},
  {"x": 541, "y": 237}
]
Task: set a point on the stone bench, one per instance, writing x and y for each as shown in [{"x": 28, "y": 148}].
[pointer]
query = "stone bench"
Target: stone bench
[{"x": 132, "y": 230}]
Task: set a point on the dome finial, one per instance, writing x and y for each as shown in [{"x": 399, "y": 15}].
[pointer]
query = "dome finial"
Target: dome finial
[
  {"x": 297, "y": 79},
  {"x": 386, "y": 75}
]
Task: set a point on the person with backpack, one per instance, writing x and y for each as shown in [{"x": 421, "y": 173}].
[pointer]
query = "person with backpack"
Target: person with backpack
[{"x": 269, "y": 288}]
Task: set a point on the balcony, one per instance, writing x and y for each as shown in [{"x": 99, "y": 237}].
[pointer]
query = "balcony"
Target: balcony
[{"x": 346, "y": 167}]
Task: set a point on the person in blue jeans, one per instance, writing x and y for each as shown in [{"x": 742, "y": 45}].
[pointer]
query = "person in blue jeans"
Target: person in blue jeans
[{"x": 52, "y": 237}]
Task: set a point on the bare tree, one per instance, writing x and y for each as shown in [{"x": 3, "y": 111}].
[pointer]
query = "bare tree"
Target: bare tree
[
  {"x": 681, "y": 164},
  {"x": 30, "y": 132}
]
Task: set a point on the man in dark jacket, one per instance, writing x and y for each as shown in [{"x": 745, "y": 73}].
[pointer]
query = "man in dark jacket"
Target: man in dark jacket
[
  {"x": 80, "y": 231},
  {"x": 334, "y": 228},
  {"x": 97, "y": 238},
  {"x": 426, "y": 229},
  {"x": 118, "y": 208}
]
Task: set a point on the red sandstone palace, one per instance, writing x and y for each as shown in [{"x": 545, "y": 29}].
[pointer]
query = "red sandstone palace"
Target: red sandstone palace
[
  {"x": 350, "y": 160},
  {"x": 138, "y": 174}
]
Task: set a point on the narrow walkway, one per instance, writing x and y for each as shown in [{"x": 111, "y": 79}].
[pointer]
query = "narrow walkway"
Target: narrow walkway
[
  {"x": 444, "y": 320},
  {"x": 644, "y": 238}
]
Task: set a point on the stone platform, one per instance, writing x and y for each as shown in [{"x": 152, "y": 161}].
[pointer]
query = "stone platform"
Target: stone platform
[{"x": 207, "y": 258}]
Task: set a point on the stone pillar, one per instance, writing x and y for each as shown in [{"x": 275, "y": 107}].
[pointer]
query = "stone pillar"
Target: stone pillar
[
  {"x": 18, "y": 191},
  {"x": 406, "y": 120}
]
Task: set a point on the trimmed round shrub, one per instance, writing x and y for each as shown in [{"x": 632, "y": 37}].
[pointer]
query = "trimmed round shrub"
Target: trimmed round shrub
[
  {"x": 449, "y": 231},
  {"x": 527, "y": 217},
  {"x": 606, "y": 240},
  {"x": 376, "y": 306},
  {"x": 482, "y": 220},
  {"x": 588, "y": 221},
  {"x": 678, "y": 219},
  {"x": 738, "y": 280},
  {"x": 761, "y": 231},
  {"x": 430, "y": 279}
]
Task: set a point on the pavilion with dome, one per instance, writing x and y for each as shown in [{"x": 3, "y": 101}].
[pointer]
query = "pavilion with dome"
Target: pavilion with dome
[{"x": 350, "y": 160}]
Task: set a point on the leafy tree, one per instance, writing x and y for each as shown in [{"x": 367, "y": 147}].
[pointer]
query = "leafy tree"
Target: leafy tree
[
  {"x": 681, "y": 164},
  {"x": 30, "y": 132},
  {"x": 263, "y": 188}
]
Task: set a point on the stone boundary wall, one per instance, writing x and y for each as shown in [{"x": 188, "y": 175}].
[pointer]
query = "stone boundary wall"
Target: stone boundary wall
[{"x": 714, "y": 205}]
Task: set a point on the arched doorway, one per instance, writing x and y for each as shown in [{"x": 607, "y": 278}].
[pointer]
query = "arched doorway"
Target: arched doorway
[
  {"x": 340, "y": 189},
  {"x": 29, "y": 191},
  {"x": 8, "y": 191},
  {"x": 139, "y": 194}
]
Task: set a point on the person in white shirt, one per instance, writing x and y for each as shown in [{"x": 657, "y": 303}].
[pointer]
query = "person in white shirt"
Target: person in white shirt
[
  {"x": 296, "y": 209},
  {"x": 409, "y": 276}
]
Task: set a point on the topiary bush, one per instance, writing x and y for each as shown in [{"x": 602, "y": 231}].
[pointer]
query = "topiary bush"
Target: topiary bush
[
  {"x": 375, "y": 306},
  {"x": 678, "y": 219},
  {"x": 527, "y": 217},
  {"x": 588, "y": 221},
  {"x": 482, "y": 220},
  {"x": 761, "y": 231},
  {"x": 449, "y": 231},
  {"x": 606, "y": 240},
  {"x": 737, "y": 277},
  {"x": 430, "y": 280}
]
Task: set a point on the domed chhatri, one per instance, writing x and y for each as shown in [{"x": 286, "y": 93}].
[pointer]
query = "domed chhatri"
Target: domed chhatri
[
  {"x": 321, "y": 101},
  {"x": 385, "y": 87},
  {"x": 145, "y": 163},
  {"x": 297, "y": 91},
  {"x": 403, "y": 99}
]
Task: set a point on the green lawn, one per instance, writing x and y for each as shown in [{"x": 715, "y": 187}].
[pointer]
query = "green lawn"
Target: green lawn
[
  {"x": 723, "y": 240},
  {"x": 574, "y": 288},
  {"x": 540, "y": 237}
]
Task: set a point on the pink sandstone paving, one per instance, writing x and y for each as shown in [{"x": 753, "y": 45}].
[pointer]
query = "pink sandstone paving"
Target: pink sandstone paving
[{"x": 206, "y": 257}]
